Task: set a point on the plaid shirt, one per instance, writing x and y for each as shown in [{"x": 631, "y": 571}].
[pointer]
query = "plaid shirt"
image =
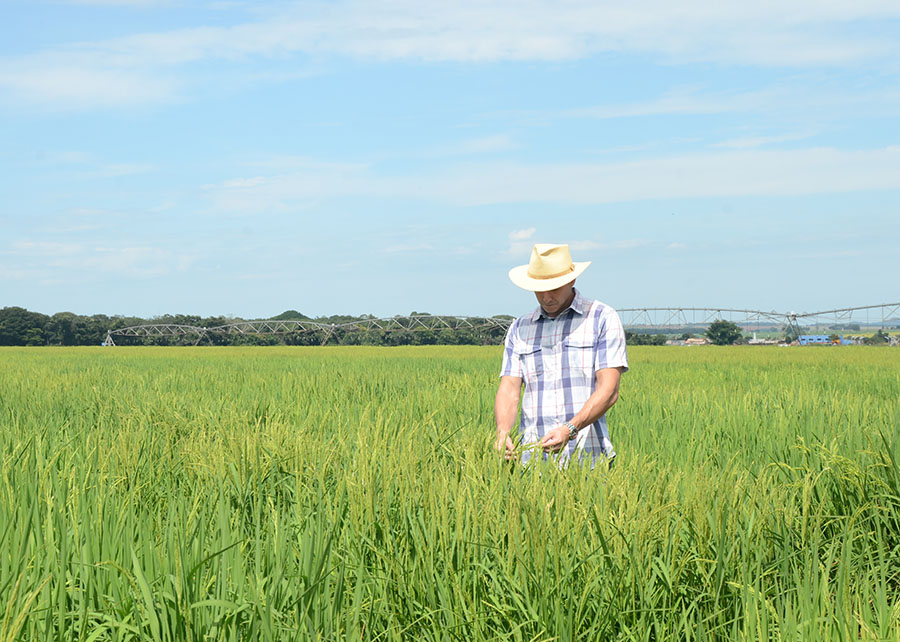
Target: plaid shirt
[{"x": 557, "y": 360}]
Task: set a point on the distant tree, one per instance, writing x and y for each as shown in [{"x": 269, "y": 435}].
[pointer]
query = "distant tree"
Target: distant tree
[
  {"x": 93, "y": 330},
  {"x": 686, "y": 336},
  {"x": 878, "y": 339},
  {"x": 34, "y": 337},
  {"x": 397, "y": 338},
  {"x": 60, "y": 329},
  {"x": 424, "y": 337},
  {"x": 15, "y": 324},
  {"x": 639, "y": 339},
  {"x": 723, "y": 333},
  {"x": 290, "y": 315},
  {"x": 19, "y": 326},
  {"x": 833, "y": 338}
]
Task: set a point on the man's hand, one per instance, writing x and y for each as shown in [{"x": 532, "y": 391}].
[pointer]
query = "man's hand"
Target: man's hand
[
  {"x": 602, "y": 399},
  {"x": 505, "y": 407},
  {"x": 555, "y": 439},
  {"x": 506, "y": 446}
]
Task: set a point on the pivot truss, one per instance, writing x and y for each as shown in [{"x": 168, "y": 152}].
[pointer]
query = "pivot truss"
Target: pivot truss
[
  {"x": 632, "y": 318},
  {"x": 338, "y": 330},
  {"x": 656, "y": 318}
]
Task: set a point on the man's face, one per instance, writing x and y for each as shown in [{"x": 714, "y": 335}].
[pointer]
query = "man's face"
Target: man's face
[{"x": 555, "y": 301}]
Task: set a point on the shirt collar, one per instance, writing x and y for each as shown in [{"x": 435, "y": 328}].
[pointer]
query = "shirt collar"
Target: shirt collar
[{"x": 578, "y": 306}]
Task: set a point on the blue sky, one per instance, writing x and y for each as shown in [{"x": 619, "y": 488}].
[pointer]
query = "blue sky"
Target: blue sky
[{"x": 246, "y": 158}]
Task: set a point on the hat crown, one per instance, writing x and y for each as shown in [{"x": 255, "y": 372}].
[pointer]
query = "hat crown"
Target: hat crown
[
  {"x": 550, "y": 260},
  {"x": 550, "y": 267}
]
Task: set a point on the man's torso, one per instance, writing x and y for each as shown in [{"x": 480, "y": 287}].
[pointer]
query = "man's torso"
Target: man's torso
[{"x": 557, "y": 359}]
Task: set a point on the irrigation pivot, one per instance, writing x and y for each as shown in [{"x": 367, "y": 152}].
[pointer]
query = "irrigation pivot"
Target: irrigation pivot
[{"x": 638, "y": 319}]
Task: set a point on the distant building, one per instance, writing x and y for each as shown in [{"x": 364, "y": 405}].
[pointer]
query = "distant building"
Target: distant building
[{"x": 820, "y": 340}]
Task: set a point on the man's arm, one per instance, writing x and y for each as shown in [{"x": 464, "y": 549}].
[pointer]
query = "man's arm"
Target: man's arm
[
  {"x": 506, "y": 406},
  {"x": 602, "y": 399}
]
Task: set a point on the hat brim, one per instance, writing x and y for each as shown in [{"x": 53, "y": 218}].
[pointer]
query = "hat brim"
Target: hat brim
[{"x": 519, "y": 276}]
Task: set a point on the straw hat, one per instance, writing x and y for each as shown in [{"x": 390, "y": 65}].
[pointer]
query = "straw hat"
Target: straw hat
[{"x": 550, "y": 267}]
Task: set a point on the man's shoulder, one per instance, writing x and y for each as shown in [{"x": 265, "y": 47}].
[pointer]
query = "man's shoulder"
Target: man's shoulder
[
  {"x": 528, "y": 318},
  {"x": 599, "y": 318},
  {"x": 595, "y": 307},
  {"x": 524, "y": 326}
]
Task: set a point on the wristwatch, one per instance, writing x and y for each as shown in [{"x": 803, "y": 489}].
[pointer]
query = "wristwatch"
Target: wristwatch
[{"x": 573, "y": 431}]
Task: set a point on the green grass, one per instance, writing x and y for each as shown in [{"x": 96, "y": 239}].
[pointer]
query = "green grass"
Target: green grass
[{"x": 351, "y": 493}]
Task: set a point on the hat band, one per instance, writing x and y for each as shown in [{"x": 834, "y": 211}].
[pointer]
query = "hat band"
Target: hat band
[{"x": 571, "y": 268}]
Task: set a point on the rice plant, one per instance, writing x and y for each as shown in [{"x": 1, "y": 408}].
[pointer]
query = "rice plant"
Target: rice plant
[{"x": 352, "y": 494}]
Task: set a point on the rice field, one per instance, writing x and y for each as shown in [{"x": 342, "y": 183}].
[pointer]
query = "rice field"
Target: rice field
[{"x": 352, "y": 494}]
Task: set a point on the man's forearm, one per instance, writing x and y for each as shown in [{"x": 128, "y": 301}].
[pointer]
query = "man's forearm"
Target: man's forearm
[
  {"x": 601, "y": 400},
  {"x": 505, "y": 414},
  {"x": 594, "y": 408},
  {"x": 506, "y": 406}
]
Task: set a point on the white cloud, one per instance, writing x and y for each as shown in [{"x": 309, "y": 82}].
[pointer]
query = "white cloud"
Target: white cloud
[
  {"x": 737, "y": 173},
  {"x": 683, "y": 101},
  {"x": 123, "y": 3},
  {"x": 522, "y": 247},
  {"x": 483, "y": 145},
  {"x": 57, "y": 86},
  {"x": 286, "y": 163},
  {"x": 625, "y": 244},
  {"x": 66, "y": 157},
  {"x": 766, "y": 31},
  {"x": 748, "y": 142},
  {"x": 133, "y": 69},
  {"x": 584, "y": 246},
  {"x": 133, "y": 260},
  {"x": 520, "y": 242},
  {"x": 114, "y": 170},
  {"x": 804, "y": 105},
  {"x": 280, "y": 192},
  {"x": 698, "y": 175},
  {"x": 45, "y": 248},
  {"x": 91, "y": 167},
  {"x": 408, "y": 247},
  {"x": 136, "y": 261},
  {"x": 521, "y": 235},
  {"x": 17, "y": 274}
]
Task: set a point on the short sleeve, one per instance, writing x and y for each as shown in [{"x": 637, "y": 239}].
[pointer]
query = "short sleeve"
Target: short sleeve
[
  {"x": 512, "y": 365},
  {"x": 610, "y": 346}
]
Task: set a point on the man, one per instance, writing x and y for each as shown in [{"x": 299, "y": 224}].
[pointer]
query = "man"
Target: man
[{"x": 566, "y": 357}]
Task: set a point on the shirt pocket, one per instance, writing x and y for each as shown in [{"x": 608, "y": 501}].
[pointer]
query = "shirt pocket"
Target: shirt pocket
[
  {"x": 578, "y": 361},
  {"x": 530, "y": 357}
]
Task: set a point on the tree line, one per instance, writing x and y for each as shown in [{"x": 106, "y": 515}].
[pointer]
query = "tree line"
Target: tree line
[{"x": 21, "y": 327}]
